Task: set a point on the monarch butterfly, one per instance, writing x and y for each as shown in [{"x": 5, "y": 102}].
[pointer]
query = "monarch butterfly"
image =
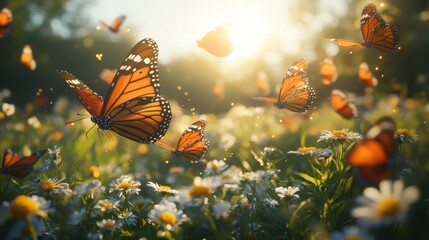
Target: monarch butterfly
[
  {"x": 18, "y": 166},
  {"x": 343, "y": 107},
  {"x": 116, "y": 25},
  {"x": 218, "y": 41},
  {"x": 373, "y": 156},
  {"x": 5, "y": 21},
  {"x": 132, "y": 107},
  {"x": 328, "y": 71},
  {"x": 295, "y": 94},
  {"x": 192, "y": 144},
  {"x": 365, "y": 75},
  {"x": 27, "y": 58},
  {"x": 376, "y": 32}
]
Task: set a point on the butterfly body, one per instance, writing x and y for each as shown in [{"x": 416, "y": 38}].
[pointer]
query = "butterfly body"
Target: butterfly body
[
  {"x": 295, "y": 94},
  {"x": 17, "y": 166},
  {"x": 132, "y": 107}
]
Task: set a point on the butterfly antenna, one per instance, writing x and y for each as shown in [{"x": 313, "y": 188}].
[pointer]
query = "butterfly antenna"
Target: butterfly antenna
[{"x": 83, "y": 116}]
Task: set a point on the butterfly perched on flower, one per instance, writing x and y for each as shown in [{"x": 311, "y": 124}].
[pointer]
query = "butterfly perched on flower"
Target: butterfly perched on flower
[
  {"x": 218, "y": 41},
  {"x": 17, "y": 166},
  {"x": 366, "y": 76},
  {"x": 192, "y": 144},
  {"x": 328, "y": 71},
  {"x": 295, "y": 93},
  {"x": 27, "y": 59},
  {"x": 5, "y": 21},
  {"x": 116, "y": 25},
  {"x": 373, "y": 156},
  {"x": 376, "y": 32},
  {"x": 132, "y": 106},
  {"x": 342, "y": 106}
]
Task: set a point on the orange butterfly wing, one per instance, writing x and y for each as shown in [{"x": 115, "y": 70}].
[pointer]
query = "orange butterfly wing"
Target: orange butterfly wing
[
  {"x": 345, "y": 43},
  {"x": 343, "y": 107},
  {"x": 366, "y": 76},
  {"x": 5, "y": 21},
  {"x": 217, "y": 41},
  {"x": 373, "y": 155},
  {"x": 295, "y": 93},
  {"x": 376, "y": 32},
  {"x": 89, "y": 99},
  {"x": 116, "y": 25},
  {"x": 136, "y": 77},
  {"x": 142, "y": 119},
  {"x": 328, "y": 71},
  {"x": 192, "y": 144},
  {"x": 19, "y": 167}
]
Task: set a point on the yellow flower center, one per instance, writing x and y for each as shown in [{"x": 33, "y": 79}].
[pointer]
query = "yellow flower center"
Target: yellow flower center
[
  {"x": 402, "y": 131},
  {"x": 387, "y": 207},
  {"x": 2, "y": 115},
  {"x": 106, "y": 205},
  {"x": 198, "y": 191},
  {"x": 163, "y": 188},
  {"x": 339, "y": 133},
  {"x": 306, "y": 149},
  {"x": 22, "y": 206},
  {"x": 94, "y": 171},
  {"x": 47, "y": 186},
  {"x": 227, "y": 176},
  {"x": 353, "y": 237},
  {"x": 143, "y": 149},
  {"x": 124, "y": 185},
  {"x": 167, "y": 218},
  {"x": 109, "y": 225},
  {"x": 176, "y": 170},
  {"x": 213, "y": 165}
]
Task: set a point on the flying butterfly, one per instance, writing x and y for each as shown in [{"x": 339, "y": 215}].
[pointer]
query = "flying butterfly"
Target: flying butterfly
[
  {"x": 328, "y": 71},
  {"x": 219, "y": 89},
  {"x": 366, "y": 76},
  {"x": 218, "y": 41},
  {"x": 295, "y": 93},
  {"x": 132, "y": 106},
  {"x": 342, "y": 106},
  {"x": 5, "y": 21},
  {"x": 374, "y": 155},
  {"x": 192, "y": 144},
  {"x": 116, "y": 25},
  {"x": 376, "y": 32},
  {"x": 27, "y": 59},
  {"x": 17, "y": 166}
]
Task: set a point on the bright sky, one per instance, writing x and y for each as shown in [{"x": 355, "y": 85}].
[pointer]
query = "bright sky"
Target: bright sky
[{"x": 175, "y": 25}]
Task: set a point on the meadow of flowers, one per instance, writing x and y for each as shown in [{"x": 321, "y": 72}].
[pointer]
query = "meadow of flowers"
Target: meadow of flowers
[{"x": 268, "y": 174}]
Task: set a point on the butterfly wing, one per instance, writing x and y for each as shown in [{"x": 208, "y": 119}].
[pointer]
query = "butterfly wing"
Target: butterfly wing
[
  {"x": 116, "y": 25},
  {"x": 366, "y": 76},
  {"x": 295, "y": 93},
  {"x": 342, "y": 106},
  {"x": 90, "y": 100},
  {"x": 376, "y": 32},
  {"x": 192, "y": 144},
  {"x": 142, "y": 119},
  {"x": 136, "y": 77},
  {"x": 19, "y": 167},
  {"x": 27, "y": 58},
  {"x": 328, "y": 71},
  {"x": 373, "y": 155},
  {"x": 5, "y": 21},
  {"x": 217, "y": 41}
]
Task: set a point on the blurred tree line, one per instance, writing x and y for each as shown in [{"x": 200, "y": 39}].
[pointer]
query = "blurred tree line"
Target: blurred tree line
[{"x": 62, "y": 37}]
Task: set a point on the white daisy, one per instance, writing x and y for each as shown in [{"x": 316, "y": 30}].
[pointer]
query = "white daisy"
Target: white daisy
[
  {"x": 161, "y": 188},
  {"x": 221, "y": 209},
  {"x": 287, "y": 193},
  {"x": 125, "y": 185},
  {"x": 8, "y": 109},
  {"x": 166, "y": 214},
  {"x": 339, "y": 136},
  {"x": 108, "y": 224},
  {"x": 387, "y": 205},
  {"x": 350, "y": 233},
  {"x": 214, "y": 167}
]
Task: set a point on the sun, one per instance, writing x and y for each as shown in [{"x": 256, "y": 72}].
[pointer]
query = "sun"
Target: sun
[{"x": 247, "y": 32}]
